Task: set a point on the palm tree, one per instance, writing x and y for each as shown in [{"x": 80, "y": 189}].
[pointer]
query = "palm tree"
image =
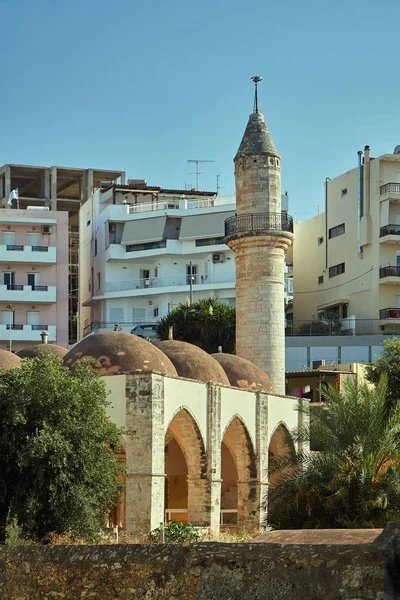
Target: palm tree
[
  {"x": 207, "y": 323},
  {"x": 353, "y": 479}
]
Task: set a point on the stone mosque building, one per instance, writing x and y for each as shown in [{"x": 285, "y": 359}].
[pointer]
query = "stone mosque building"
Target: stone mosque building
[{"x": 200, "y": 428}]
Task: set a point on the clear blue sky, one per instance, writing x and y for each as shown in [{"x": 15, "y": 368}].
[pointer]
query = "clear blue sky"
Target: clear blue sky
[{"x": 144, "y": 85}]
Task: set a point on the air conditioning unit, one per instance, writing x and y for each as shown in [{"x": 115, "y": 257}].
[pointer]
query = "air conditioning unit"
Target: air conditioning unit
[
  {"x": 111, "y": 227},
  {"x": 46, "y": 229},
  {"x": 218, "y": 258},
  {"x": 314, "y": 364},
  {"x": 147, "y": 283}
]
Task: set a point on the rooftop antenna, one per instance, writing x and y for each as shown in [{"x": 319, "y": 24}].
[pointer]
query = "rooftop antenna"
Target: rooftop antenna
[
  {"x": 197, "y": 172},
  {"x": 256, "y": 80},
  {"x": 219, "y": 187}
]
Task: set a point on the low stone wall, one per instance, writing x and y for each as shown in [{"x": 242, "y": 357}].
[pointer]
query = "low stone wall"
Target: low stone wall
[{"x": 207, "y": 571}]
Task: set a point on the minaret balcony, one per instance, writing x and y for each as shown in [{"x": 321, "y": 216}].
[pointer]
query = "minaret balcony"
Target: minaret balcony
[{"x": 265, "y": 222}]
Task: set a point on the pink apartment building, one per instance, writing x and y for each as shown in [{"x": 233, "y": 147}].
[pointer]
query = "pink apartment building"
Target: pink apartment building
[{"x": 34, "y": 277}]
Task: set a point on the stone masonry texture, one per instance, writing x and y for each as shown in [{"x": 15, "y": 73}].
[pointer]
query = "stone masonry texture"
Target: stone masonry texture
[{"x": 207, "y": 571}]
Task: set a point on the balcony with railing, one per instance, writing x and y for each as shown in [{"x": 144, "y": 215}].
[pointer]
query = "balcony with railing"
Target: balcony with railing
[
  {"x": 23, "y": 254},
  {"x": 390, "y": 191},
  {"x": 389, "y": 233},
  {"x": 28, "y": 293},
  {"x": 152, "y": 283},
  {"x": 389, "y": 274},
  {"x": 258, "y": 223},
  {"x": 21, "y": 332}
]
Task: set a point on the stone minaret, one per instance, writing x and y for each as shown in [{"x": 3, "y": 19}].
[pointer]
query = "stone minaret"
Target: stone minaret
[{"x": 260, "y": 234}]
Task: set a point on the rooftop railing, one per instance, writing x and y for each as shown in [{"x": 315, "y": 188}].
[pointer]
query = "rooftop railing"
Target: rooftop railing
[{"x": 258, "y": 222}]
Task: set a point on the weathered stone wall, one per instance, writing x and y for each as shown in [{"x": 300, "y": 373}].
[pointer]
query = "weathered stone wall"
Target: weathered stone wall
[{"x": 204, "y": 571}]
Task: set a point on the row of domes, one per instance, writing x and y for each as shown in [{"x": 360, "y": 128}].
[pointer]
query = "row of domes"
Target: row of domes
[{"x": 118, "y": 352}]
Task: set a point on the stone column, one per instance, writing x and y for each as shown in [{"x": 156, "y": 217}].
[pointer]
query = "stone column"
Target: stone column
[
  {"x": 252, "y": 492},
  {"x": 204, "y": 495},
  {"x": 145, "y": 483},
  {"x": 53, "y": 188},
  {"x": 7, "y": 189},
  {"x": 260, "y": 307}
]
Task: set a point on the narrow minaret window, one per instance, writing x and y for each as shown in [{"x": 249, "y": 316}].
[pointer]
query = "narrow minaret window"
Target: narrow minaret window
[{"x": 259, "y": 234}]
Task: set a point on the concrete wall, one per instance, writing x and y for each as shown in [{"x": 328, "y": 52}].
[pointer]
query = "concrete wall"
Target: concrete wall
[{"x": 204, "y": 571}]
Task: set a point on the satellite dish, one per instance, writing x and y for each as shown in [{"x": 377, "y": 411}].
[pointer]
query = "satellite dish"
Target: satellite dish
[{"x": 396, "y": 150}]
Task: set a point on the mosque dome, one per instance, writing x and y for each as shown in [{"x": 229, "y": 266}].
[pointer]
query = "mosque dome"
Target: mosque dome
[
  {"x": 118, "y": 352},
  {"x": 8, "y": 360},
  {"x": 192, "y": 362},
  {"x": 34, "y": 351},
  {"x": 243, "y": 373}
]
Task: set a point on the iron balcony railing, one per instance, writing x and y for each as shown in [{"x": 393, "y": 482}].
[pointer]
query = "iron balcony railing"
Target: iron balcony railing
[
  {"x": 110, "y": 325},
  {"x": 390, "y": 230},
  {"x": 15, "y": 288},
  {"x": 258, "y": 222},
  {"x": 16, "y": 327},
  {"x": 40, "y": 248},
  {"x": 13, "y": 247},
  {"x": 389, "y": 313},
  {"x": 389, "y": 271},
  {"x": 40, "y": 288},
  {"x": 390, "y": 188},
  {"x": 40, "y": 327}
]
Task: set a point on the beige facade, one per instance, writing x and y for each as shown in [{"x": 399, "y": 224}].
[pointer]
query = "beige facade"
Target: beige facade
[
  {"x": 196, "y": 451},
  {"x": 347, "y": 259},
  {"x": 34, "y": 277}
]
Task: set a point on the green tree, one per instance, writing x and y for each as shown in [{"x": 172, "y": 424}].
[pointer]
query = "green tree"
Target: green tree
[
  {"x": 58, "y": 472},
  {"x": 388, "y": 364},
  {"x": 354, "y": 478},
  {"x": 207, "y": 323}
]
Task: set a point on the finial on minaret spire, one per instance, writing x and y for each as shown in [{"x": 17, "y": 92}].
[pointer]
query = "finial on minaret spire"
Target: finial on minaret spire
[{"x": 256, "y": 80}]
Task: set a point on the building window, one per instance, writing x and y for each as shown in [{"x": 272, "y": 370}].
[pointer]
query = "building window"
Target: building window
[
  {"x": 338, "y": 230},
  {"x": 320, "y": 279},
  {"x": 344, "y": 192},
  {"x": 95, "y": 247},
  {"x": 90, "y": 285},
  {"x": 320, "y": 240},
  {"x": 210, "y": 241},
  {"x": 116, "y": 314},
  {"x": 155, "y": 312},
  {"x": 98, "y": 280},
  {"x": 336, "y": 270},
  {"x": 147, "y": 246}
]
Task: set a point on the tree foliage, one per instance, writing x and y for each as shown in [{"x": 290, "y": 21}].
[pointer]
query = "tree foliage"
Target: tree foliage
[
  {"x": 58, "y": 472},
  {"x": 354, "y": 479},
  {"x": 388, "y": 364},
  {"x": 207, "y": 323}
]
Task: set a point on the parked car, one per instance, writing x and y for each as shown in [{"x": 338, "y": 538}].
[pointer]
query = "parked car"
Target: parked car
[{"x": 145, "y": 330}]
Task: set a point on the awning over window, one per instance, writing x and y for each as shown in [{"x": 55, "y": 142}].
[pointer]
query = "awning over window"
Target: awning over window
[
  {"x": 143, "y": 230},
  {"x": 204, "y": 226}
]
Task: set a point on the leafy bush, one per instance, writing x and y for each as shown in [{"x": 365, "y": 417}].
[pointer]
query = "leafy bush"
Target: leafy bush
[{"x": 176, "y": 533}]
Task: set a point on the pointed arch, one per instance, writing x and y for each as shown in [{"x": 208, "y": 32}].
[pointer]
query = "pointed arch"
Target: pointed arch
[
  {"x": 184, "y": 428},
  {"x": 237, "y": 439},
  {"x": 280, "y": 444}
]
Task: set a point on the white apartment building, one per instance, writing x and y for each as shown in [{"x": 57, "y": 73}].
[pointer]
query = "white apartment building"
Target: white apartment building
[
  {"x": 347, "y": 259},
  {"x": 144, "y": 250},
  {"x": 34, "y": 277}
]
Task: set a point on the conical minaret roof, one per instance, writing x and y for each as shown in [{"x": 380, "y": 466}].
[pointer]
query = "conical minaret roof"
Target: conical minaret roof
[{"x": 256, "y": 138}]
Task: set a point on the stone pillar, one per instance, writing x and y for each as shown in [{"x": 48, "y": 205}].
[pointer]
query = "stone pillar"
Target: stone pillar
[
  {"x": 90, "y": 184},
  {"x": 260, "y": 306},
  {"x": 53, "y": 188},
  {"x": 47, "y": 184},
  {"x": 145, "y": 483},
  {"x": 7, "y": 183},
  {"x": 252, "y": 491},
  {"x": 204, "y": 494}
]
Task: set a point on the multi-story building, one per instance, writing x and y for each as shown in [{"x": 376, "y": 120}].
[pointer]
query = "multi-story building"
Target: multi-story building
[
  {"x": 347, "y": 259},
  {"x": 144, "y": 249},
  {"x": 59, "y": 189},
  {"x": 34, "y": 277}
]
